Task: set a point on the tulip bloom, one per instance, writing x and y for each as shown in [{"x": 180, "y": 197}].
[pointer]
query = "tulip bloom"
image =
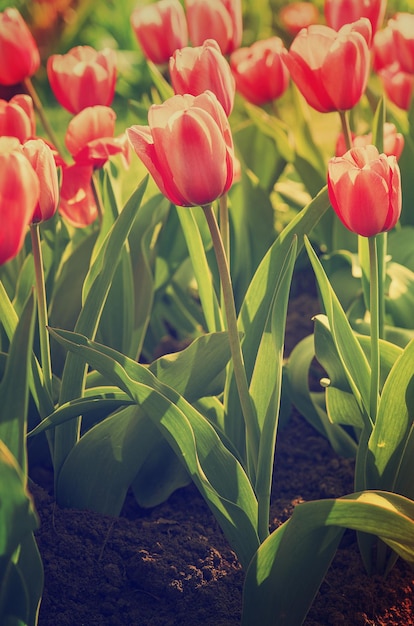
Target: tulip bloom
[
  {"x": 297, "y": 15},
  {"x": 316, "y": 62},
  {"x": 398, "y": 85},
  {"x": 19, "y": 194},
  {"x": 90, "y": 137},
  {"x": 77, "y": 201},
  {"x": 402, "y": 26},
  {"x": 340, "y": 12},
  {"x": 383, "y": 49},
  {"x": 365, "y": 190},
  {"x": 83, "y": 77},
  {"x": 160, "y": 29},
  {"x": 19, "y": 53},
  {"x": 188, "y": 148},
  {"x": 41, "y": 158},
  {"x": 261, "y": 75},
  {"x": 216, "y": 19},
  {"x": 204, "y": 68},
  {"x": 17, "y": 118},
  {"x": 393, "y": 141}
]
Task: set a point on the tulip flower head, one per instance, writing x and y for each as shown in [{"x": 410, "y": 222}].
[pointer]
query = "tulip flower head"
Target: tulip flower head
[
  {"x": 364, "y": 189},
  {"x": 393, "y": 141},
  {"x": 77, "y": 202},
  {"x": 41, "y": 158},
  {"x": 297, "y": 15},
  {"x": 19, "y": 195},
  {"x": 160, "y": 28},
  {"x": 203, "y": 68},
  {"x": 90, "y": 137},
  {"x": 316, "y": 62},
  {"x": 261, "y": 76},
  {"x": 398, "y": 85},
  {"x": 402, "y": 27},
  {"x": 216, "y": 19},
  {"x": 187, "y": 148},
  {"x": 341, "y": 12},
  {"x": 383, "y": 49},
  {"x": 83, "y": 77},
  {"x": 19, "y": 53},
  {"x": 17, "y": 118}
]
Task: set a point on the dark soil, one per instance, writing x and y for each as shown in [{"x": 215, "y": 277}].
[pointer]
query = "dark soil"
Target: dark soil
[{"x": 171, "y": 566}]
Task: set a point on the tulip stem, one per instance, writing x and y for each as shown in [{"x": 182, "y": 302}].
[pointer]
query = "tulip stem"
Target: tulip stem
[
  {"x": 41, "y": 113},
  {"x": 374, "y": 322},
  {"x": 41, "y": 309},
  {"x": 225, "y": 233},
  {"x": 252, "y": 437},
  {"x": 346, "y": 129},
  {"x": 97, "y": 196}
]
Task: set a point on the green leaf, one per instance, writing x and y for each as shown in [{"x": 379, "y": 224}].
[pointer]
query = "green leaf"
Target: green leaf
[
  {"x": 279, "y": 588},
  {"x": 216, "y": 472}
]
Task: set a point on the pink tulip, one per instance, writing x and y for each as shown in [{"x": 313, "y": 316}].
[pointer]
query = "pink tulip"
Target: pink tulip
[
  {"x": 365, "y": 190},
  {"x": 77, "y": 201},
  {"x": 398, "y": 85},
  {"x": 160, "y": 29},
  {"x": 216, "y": 19},
  {"x": 90, "y": 137},
  {"x": 297, "y": 15},
  {"x": 383, "y": 49},
  {"x": 19, "y": 195},
  {"x": 340, "y": 12},
  {"x": 83, "y": 77},
  {"x": 188, "y": 148},
  {"x": 316, "y": 62},
  {"x": 393, "y": 141},
  {"x": 19, "y": 53},
  {"x": 17, "y": 118},
  {"x": 204, "y": 68},
  {"x": 261, "y": 76},
  {"x": 41, "y": 158}
]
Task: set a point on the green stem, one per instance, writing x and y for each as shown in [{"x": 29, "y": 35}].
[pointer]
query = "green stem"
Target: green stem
[
  {"x": 41, "y": 113},
  {"x": 225, "y": 234},
  {"x": 346, "y": 130},
  {"x": 97, "y": 196},
  {"x": 252, "y": 435},
  {"x": 374, "y": 322},
  {"x": 42, "y": 309}
]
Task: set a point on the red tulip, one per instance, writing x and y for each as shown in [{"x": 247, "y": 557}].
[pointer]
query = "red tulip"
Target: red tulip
[
  {"x": 160, "y": 29},
  {"x": 19, "y": 194},
  {"x": 398, "y": 85},
  {"x": 216, "y": 19},
  {"x": 393, "y": 141},
  {"x": 17, "y": 118},
  {"x": 83, "y": 77},
  {"x": 364, "y": 189},
  {"x": 383, "y": 49},
  {"x": 316, "y": 62},
  {"x": 298, "y": 15},
  {"x": 204, "y": 68},
  {"x": 340, "y": 12},
  {"x": 19, "y": 53},
  {"x": 402, "y": 27},
  {"x": 90, "y": 137},
  {"x": 77, "y": 201},
  {"x": 261, "y": 75},
  {"x": 187, "y": 148},
  {"x": 41, "y": 158}
]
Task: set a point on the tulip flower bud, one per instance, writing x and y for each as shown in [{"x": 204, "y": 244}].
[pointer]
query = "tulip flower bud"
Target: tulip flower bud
[
  {"x": 41, "y": 157},
  {"x": 77, "y": 202},
  {"x": 365, "y": 190},
  {"x": 398, "y": 85},
  {"x": 90, "y": 137},
  {"x": 297, "y": 15},
  {"x": 216, "y": 19},
  {"x": 261, "y": 76},
  {"x": 160, "y": 29},
  {"x": 19, "y": 194},
  {"x": 187, "y": 148},
  {"x": 17, "y": 118},
  {"x": 204, "y": 68},
  {"x": 393, "y": 141},
  {"x": 383, "y": 49},
  {"x": 19, "y": 53},
  {"x": 83, "y": 77},
  {"x": 402, "y": 27},
  {"x": 341, "y": 12},
  {"x": 316, "y": 60}
]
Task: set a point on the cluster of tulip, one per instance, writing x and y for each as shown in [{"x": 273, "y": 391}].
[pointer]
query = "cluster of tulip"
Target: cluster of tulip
[{"x": 199, "y": 66}]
